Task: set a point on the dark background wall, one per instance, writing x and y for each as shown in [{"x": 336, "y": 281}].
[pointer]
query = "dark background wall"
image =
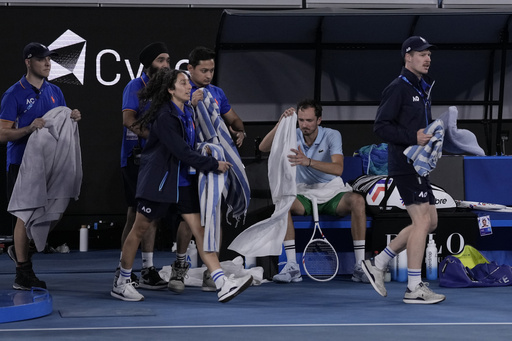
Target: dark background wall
[
  {"x": 109, "y": 33},
  {"x": 113, "y": 38}
]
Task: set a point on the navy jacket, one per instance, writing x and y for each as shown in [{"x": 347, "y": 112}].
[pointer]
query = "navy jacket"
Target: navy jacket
[
  {"x": 404, "y": 109},
  {"x": 166, "y": 151}
]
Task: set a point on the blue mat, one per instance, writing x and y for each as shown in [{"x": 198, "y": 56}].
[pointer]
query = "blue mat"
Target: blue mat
[{"x": 18, "y": 305}]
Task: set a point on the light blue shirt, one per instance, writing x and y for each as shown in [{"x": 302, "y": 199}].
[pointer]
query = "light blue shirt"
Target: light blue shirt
[{"x": 327, "y": 143}]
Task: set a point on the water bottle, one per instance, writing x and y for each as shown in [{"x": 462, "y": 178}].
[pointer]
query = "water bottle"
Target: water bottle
[
  {"x": 192, "y": 254},
  {"x": 402, "y": 266},
  {"x": 84, "y": 238},
  {"x": 431, "y": 259},
  {"x": 387, "y": 275},
  {"x": 393, "y": 263},
  {"x": 250, "y": 262},
  {"x": 393, "y": 268}
]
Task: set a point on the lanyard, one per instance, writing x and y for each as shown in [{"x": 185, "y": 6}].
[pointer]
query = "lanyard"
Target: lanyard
[
  {"x": 426, "y": 99},
  {"x": 188, "y": 122}
]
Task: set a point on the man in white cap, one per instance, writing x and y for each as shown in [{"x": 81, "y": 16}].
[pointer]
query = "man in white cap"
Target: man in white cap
[{"x": 402, "y": 117}]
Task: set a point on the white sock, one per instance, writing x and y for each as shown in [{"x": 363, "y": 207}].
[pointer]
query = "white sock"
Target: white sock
[
  {"x": 289, "y": 249},
  {"x": 181, "y": 258},
  {"x": 413, "y": 278},
  {"x": 383, "y": 258},
  {"x": 147, "y": 259},
  {"x": 218, "y": 277},
  {"x": 124, "y": 275},
  {"x": 359, "y": 250}
]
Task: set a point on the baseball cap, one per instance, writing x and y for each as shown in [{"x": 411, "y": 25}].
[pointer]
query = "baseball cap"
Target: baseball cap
[
  {"x": 37, "y": 50},
  {"x": 415, "y": 43},
  {"x": 150, "y": 52}
]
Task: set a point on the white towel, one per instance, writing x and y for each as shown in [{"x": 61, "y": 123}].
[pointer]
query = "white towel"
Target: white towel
[
  {"x": 50, "y": 175},
  {"x": 323, "y": 191},
  {"x": 266, "y": 237}
]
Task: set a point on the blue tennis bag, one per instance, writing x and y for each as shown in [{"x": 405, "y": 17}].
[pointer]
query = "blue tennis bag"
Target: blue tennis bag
[{"x": 453, "y": 274}]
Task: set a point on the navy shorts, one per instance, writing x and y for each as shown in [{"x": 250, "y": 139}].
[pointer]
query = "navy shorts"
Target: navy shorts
[
  {"x": 414, "y": 189},
  {"x": 130, "y": 175},
  {"x": 188, "y": 203},
  {"x": 12, "y": 175}
]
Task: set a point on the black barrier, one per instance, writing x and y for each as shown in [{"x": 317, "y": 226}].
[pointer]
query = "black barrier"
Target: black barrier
[{"x": 98, "y": 55}]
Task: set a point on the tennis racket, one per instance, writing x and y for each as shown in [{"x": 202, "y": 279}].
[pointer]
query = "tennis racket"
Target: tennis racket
[
  {"x": 474, "y": 205},
  {"x": 319, "y": 258}
]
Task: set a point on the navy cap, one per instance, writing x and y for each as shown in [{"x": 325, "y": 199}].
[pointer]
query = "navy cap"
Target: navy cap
[
  {"x": 37, "y": 50},
  {"x": 415, "y": 43}
]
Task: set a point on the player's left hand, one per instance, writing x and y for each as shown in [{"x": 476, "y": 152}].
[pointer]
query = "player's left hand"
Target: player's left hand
[
  {"x": 298, "y": 158},
  {"x": 239, "y": 136}
]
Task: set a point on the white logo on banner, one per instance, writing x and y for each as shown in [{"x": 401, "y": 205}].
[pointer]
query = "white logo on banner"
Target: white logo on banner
[{"x": 69, "y": 66}]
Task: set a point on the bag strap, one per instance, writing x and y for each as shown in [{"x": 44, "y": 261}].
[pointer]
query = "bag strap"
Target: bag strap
[{"x": 387, "y": 193}]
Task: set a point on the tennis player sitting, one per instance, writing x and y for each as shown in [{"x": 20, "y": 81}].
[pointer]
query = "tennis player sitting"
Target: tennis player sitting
[{"x": 319, "y": 161}]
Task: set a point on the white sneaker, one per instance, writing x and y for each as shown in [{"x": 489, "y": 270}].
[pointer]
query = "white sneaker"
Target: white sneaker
[
  {"x": 208, "y": 283},
  {"x": 422, "y": 295},
  {"x": 358, "y": 275},
  {"x": 233, "y": 286},
  {"x": 375, "y": 276},
  {"x": 289, "y": 273},
  {"x": 126, "y": 292}
]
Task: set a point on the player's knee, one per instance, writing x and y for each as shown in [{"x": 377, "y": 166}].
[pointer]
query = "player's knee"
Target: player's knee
[
  {"x": 433, "y": 226},
  {"x": 357, "y": 203},
  {"x": 140, "y": 228}
]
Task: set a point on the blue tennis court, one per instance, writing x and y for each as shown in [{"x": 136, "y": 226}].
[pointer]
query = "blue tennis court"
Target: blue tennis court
[{"x": 80, "y": 283}]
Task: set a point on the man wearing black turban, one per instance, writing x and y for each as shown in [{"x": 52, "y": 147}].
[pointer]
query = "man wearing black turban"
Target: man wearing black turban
[{"x": 153, "y": 57}]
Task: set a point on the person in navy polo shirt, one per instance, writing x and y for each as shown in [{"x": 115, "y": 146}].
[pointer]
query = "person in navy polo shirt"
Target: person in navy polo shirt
[
  {"x": 153, "y": 57},
  {"x": 201, "y": 68},
  {"x": 21, "y": 110}
]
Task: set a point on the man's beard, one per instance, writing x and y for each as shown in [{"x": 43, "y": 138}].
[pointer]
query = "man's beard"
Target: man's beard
[{"x": 151, "y": 70}]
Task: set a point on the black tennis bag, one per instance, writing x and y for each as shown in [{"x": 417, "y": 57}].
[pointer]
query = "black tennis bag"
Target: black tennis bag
[{"x": 381, "y": 194}]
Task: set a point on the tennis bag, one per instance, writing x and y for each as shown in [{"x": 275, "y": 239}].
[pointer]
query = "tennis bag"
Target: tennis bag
[
  {"x": 381, "y": 194},
  {"x": 457, "y": 271}
]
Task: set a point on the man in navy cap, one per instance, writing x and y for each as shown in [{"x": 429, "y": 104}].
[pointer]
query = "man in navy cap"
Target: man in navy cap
[
  {"x": 22, "y": 108},
  {"x": 402, "y": 117},
  {"x": 153, "y": 57}
]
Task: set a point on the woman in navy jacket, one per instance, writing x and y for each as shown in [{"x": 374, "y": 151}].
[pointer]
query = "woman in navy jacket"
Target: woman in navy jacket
[{"x": 166, "y": 180}]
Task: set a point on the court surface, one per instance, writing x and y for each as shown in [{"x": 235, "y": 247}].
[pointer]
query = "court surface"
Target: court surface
[{"x": 83, "y": 309}]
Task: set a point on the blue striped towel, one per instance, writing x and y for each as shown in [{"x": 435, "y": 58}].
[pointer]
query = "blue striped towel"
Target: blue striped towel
[
  {"x": 210, "y": 128},
  {"x": 211, "y": 186},
  {"x": 424, "y": 158}
]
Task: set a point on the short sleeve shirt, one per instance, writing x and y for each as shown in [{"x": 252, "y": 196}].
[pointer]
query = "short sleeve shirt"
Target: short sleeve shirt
[
  {"x": 327, "y": 143},
  {"x": 22, "y": 103},
  {"x": 218, "y": 94},
  {"x": 131, "y": 102}
]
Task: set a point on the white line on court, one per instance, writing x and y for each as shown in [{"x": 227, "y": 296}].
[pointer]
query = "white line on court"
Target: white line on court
[{"x": 263, "y": 325}]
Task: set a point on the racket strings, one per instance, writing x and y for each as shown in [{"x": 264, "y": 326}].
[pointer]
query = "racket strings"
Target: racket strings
[{"x": 320, "y": 259}]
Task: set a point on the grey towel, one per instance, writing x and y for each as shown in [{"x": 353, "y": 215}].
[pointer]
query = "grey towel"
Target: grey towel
[
  {"x": 458, "y": 141},
  {"x": 50, "y": 175}
]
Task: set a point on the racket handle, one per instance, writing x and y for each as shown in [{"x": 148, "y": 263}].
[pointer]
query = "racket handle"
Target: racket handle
[{"x": 314, "y": 203}]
